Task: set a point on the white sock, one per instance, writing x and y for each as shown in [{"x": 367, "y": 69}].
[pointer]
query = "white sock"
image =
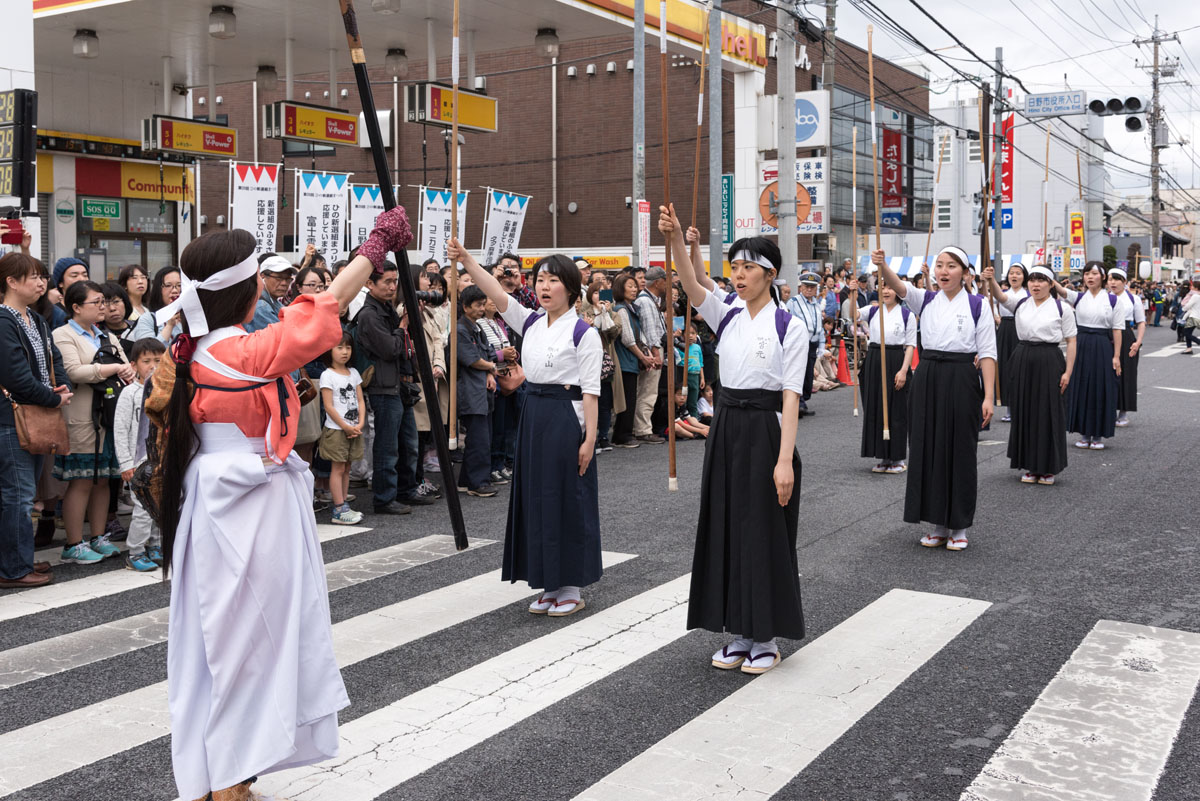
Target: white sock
[
  {"x": 567, "y": 594},
  {"x": 549, "y": 595},
  {"x": 958, "y": 533},
  {"x": 740, "y": 643},
  {"x": 764, "y": 647},
  {"x": 941, "y": 531}
]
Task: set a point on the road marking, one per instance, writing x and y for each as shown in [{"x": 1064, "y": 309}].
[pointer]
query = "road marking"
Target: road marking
[
  {"x": 34, "y": 754},
  {"x": 391, "y": 745},
  {"x": 109, "y": 582},
  {"x": 1169, "y": 350},
  {"x": 87, "y": 646},
  {"x": 1180, "y": 389},
  {"x": 1103, "y": 728},
  {"x": 797, "y": 710}
]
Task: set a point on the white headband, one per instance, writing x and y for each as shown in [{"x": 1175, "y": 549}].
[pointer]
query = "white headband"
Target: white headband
[
  {"x": 1118, "y": 272},
  {"x": 1041, "y": 270},
  {"x": 959, "y": 254},
  {"x": 762, "y": 261},
  {"x": 189, "y": 302}
]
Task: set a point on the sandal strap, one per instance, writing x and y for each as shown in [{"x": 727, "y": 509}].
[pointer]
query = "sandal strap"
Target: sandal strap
[
  {"x": 574, "y": 601},
  {"x": 771, "y": 654}
]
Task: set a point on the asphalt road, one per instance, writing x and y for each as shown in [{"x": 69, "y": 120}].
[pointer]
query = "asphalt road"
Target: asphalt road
[{"x": 1114, "y": 540}]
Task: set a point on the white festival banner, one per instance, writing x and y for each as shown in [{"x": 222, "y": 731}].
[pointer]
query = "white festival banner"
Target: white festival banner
[
  {"x": 366, "y": 204},
  {"x": 505, "y": 218},
  {"x": 322, "y": 207},
  {"x": 254, "y": 202},
  {"x": 435, "y": 221}
]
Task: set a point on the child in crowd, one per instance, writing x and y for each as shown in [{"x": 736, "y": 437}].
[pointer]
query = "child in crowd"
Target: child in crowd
[
  {"x": 705, "y": 405},
  {"x": 476, "y": 390},
  {"x": 341, "y": 442},
  {"x": 695, "y": 372},
  {"x": 145, "y": 540},
  {"x": 687, "y": 425}
]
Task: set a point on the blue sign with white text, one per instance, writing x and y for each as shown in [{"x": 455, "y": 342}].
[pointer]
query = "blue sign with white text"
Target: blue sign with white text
[
  {"x": 808, "y": 120},
  {"x": 1006, "y": 219}
]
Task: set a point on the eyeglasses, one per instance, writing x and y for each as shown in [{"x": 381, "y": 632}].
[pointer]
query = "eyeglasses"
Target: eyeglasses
[
  {"x": 114, "y": 303},
  {"x": 313, "y": 287},
  {"x": 172, "y": 286},
  {"x": 96, "y": 302}
]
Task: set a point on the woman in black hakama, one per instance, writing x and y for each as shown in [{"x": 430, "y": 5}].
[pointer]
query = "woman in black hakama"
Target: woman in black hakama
[
  {"x": 1092, "y": 393},
  {"x": 1006, "y": 333},
  {"x": 900, "y": 338}
]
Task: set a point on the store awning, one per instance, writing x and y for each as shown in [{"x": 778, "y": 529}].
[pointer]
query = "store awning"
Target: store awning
[{"x": 904, "y": 265}]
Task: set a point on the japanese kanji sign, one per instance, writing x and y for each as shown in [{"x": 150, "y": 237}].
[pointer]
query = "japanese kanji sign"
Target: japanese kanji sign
[
  {"x": 321, "y": 211},
  {"x": 254, "y": 202},
  {"x": 502, "y": 230},
  {"x": 435, "y": 221}
]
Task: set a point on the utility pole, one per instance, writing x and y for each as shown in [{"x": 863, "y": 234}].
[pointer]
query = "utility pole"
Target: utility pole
[
  {"x": 998, "y": 163},
  {"x": 716, "y": 243},
  {"x": 639, "y": 126},
  {"x": 1158, "y": 137},
  {"x": 785, "y": 88},
  {"x": 827, "y": 69}
]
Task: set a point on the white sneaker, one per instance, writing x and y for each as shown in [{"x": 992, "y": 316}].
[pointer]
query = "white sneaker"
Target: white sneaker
[
  {"x": 543, "y": 604},
  {"x": 732, "y": 655}
]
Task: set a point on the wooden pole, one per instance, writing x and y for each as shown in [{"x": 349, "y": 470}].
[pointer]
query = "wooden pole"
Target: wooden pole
[
  {"x": 1045, "y": 199},
  {"x": 687, "y": 320},
  {"x": 989, "y": 177},
  {"x": 453, "y": 360},
  {"x": 854, "y": 263},
  {"x": 669, "y": 315},
  {"x": 407, "y": 287},
  {"x": 887, "y": 433},
  {"x": 933, "y": 213}
]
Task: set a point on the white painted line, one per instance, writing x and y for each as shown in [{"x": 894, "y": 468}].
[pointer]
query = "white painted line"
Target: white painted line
[
  {"x": 84, "y": 647},
  {"x": 391, "y": 745},
  {"x": 325, "y": 532},
  {"x": 1169, "y": 350},
  {"x": 34, "y": 753},
  {"x": 1180, "y": 389},
  {"x": 1104, "y": 726},
  {"x": 108, "y": 582},
  {"x": 756, "y": 740}
]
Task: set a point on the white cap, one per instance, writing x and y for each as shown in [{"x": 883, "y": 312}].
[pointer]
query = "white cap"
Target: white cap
[{"x": 276, "y": 264}]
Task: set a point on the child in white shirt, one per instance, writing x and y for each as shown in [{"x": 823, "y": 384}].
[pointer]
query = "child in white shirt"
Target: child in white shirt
[
  {"x": 341, "y": 442},
  {"x": 145, "y": 540}
]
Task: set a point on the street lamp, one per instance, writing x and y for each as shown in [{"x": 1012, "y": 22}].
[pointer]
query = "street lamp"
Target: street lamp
[
  {"x": 396, "y": 62},
  {"x": 267, "y": 78},
  {"x": 85, "y": 43},
  {"x": 545, "y": 44}
]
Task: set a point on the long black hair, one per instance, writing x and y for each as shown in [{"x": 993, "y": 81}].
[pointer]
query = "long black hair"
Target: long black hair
[
  {"x": 203, "y": 257},
  {"x": 760, "y": 246},
  {"x": 565, "y": 270},
  {"x": 155, "y": 302}
]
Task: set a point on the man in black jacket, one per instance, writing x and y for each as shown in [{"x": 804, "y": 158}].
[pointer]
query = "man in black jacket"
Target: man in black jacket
[{"x": 393, "y": 392}]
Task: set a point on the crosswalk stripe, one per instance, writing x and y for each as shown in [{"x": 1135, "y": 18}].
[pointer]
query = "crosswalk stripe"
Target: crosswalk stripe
[
  {"x": 326, "y": 532},
  {"x": 1181, "y": 389},
  {"x": 108, "y": 582},
  {"x": 798, "y": 709},
  {"x": 1169, "y": 350},
  {"x": 78, "y": 648},
  {"x": 108, "y": 727},
  {"x": 391, "y": 745},
  {"x": 1103, "y": 728}
]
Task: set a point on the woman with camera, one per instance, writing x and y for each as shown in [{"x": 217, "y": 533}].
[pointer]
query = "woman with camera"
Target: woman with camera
[{"x": 95, "y": 363}]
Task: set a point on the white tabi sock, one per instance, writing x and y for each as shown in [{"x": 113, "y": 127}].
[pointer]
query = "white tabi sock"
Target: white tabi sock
[
  {"x": 764, "y": 647},
  {"x": 567, "y": 594}
]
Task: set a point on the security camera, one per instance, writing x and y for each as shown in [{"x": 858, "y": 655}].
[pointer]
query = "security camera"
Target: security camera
[{"x": 628, "y": 202}]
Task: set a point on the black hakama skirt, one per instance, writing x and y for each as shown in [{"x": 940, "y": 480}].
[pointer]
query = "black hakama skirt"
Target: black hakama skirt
[
  {"x": 1006, "y": 343},
  {"x": 553, "y": 535},
  {"x": 745, "y": 578},
  {"x": 1128, "y": 380},
  {"x": 1092, "y": 393},
  {"x": 873, "y": 444},
  {"x": 946, "y": 404},
  {"x": 1037, "y": 441}
]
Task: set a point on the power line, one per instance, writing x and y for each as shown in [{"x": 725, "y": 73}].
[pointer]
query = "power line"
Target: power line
[
  {"x": 1113, "y": 21},
  {"x": 962, "y": 44}
]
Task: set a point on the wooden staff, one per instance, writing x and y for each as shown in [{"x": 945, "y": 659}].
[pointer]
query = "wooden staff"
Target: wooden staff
[
  {"x": 669, "y": 316},
  {"x": 1078, "y": 171},
  {"x": 1045, "y": 199},
  {"x": 933, "y": 213},
  {"x": 854, "y": 263},
  {"x": 415, "y": 325},
  {"x": 887, "y": 433},
  {"x": 695, "y": 249},
  {"x": 989, "y": 177},
  {"x": 453, "y": 365}
]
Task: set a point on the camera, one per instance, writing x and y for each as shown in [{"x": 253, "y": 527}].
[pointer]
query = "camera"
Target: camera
[{"x": 431, "y": 298}]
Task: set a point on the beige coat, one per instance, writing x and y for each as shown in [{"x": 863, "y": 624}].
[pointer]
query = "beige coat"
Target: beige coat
[
  {"x": 609, "y": 326},
  {"x": 77, "y": 354},
  {"x": 436, "y": 343}
]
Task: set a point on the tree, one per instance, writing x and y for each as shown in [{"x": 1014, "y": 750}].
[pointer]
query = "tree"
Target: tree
[{"x": 1110, "y": 257}]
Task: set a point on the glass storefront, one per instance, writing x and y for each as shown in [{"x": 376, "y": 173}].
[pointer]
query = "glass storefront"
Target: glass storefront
[{"x": 132, "y": 231}]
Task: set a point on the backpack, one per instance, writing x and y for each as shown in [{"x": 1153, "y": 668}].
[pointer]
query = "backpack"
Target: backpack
[
  {"x": 783, "y": 318},
  {"x": 1057, "y": 303},
  {"x": 904, "y": 313},
  {"x": 1112, "y": 299},
  {"x": 975, "y": 301}
]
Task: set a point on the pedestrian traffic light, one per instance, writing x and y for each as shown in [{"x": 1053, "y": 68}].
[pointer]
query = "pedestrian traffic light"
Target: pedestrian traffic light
[{"x": 1133, "y": 107}]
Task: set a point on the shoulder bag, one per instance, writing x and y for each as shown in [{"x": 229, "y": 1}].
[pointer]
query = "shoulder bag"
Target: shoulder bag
[{"x": 41, "y": 429}]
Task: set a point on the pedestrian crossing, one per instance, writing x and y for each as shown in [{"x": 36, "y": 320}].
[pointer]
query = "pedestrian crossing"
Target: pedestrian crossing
[
  {"x": 1103, "y": 728},
  {"x": 1171, "y": 350}
]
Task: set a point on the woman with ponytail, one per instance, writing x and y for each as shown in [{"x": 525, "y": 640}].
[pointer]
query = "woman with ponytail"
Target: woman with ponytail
[{"x": 253, "y": 683}]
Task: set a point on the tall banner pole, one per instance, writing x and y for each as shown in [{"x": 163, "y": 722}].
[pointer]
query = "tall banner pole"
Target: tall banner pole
[
  {"x": 854, "y": 262},
  {"x": 887, "y": 433},
  {"x": 453, "y": 360},
  {"x": 1046, "y": 198},
  {"x": 407, "y": 287},
  {"x": 933, "y": 212},
  {"x": 669, "y": 316},
  {"x": 694, "y": 250},
  {"x": 990, "y": 166}
]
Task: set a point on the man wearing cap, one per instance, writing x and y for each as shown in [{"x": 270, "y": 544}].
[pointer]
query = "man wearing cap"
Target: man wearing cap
[
  {"x": 585, "y": 272},
  {"x": 510, "y": 279},
  {"x": 67, "y": 270},
  {"x": 277, "y": 274},
  {"x": 807, "y": 308},
  {"x": 648, "y": 306}
]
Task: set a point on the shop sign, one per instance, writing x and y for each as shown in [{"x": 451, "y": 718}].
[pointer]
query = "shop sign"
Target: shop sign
[
  {"x": 177, "y": 135},
  {"x": 106, "y": 178},
  {"x": 64, "y": 211},
  {"x": 303, "y": 122},
  {"x": 110, "y": 209},
  {"x": 433, "y": 104}
]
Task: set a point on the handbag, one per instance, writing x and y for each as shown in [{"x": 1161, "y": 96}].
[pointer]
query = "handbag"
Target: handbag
[
  {"x": 41, "y": 429},
  {"x": 308, "y": 430},
  {"x": 510, "y": 377},
  {"x": 305, "y": 391}
]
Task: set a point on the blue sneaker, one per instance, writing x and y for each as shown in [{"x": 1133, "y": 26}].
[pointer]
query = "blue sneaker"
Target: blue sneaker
[
  {"x": 80, "y": 554},
  {"x": 140, "y": 562},
  {"x": 102, "y": 546},
  {"x": 155, "y": 555}
]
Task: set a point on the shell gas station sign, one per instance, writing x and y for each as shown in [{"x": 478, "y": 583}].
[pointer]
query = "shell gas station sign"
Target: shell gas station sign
[
  {"x": 178, "y": 135},
  {"x": 303, "y": 122},
  {"x": 741, "y": 41}
]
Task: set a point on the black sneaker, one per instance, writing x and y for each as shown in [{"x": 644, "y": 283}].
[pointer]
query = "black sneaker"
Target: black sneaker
[
  {"x": 393, "y": 508},
  {"x": 498, "y": 478},
  {"x": 603, "y": 446},
  {"x": 417, "y": 499},
  {"x": 483, "y": 491},
  {"x": 629, "y": 443}
]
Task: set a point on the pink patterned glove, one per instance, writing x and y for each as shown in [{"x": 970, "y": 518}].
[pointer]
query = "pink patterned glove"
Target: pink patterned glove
[{"x": 391, "y": 233}]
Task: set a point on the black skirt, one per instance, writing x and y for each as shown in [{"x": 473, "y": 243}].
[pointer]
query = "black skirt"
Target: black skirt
[
  {"x": 946, "y": 403},
  {"x": 745, "y": 579},
  {"x": 1128, "y": 381},
  {"x": 873, "y": 444},
  {"x": 553, "y": 535},
  {"x": 1092, "y": 393},
  {"x": 1037, "y": 441},
  {"x": 1006, "y": 343}
]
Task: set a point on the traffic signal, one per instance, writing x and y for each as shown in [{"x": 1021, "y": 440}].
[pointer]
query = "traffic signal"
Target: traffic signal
[{"x": 1133, "y": 107}]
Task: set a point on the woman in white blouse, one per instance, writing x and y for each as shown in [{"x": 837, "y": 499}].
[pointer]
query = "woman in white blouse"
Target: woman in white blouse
[
  {"x": 1092, "y": 394},
  {"x": 1134, "y": 316},
  {"x": 1006, "y": 331},
  {"x": 1038, "y": 377},
  {"x": 552, "y": 539},
  {"x": 949, "y": 405},
  {"x": 745, "y": 579},
  {"x": 901, "y": 338}
]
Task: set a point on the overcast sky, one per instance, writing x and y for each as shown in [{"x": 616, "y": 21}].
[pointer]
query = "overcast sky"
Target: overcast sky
[{"x": 1034, "y": 33}]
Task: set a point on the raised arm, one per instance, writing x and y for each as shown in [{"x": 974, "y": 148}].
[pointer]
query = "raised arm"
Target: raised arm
[
  {"x": 693, "y": 238},
  {"x": 669, "y": 225},
  {"x": 482, "y": 278},
  {"x": 879, "y": 259},
  {"x": 989, "y": 277},
  {"x": 391, "y": 233}
]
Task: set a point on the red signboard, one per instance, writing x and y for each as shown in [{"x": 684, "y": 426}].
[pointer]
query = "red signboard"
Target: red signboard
[
  {"x": 1006, "y": 173},
  {"x": 316, "y": 124},
  {"x": 893, "y": 174}
]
